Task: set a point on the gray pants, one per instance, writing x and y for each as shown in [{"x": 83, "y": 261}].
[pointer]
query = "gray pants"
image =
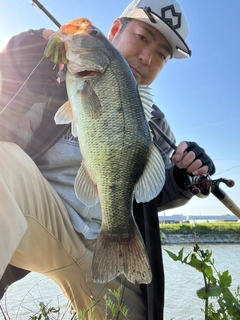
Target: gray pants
[{"x": 50, "y": 245}]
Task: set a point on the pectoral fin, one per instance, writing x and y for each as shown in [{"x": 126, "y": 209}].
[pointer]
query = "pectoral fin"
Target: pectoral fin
[
  {"x": 64, "y": 115},
  {"x": 85, "y": 188},
  {"x": 152, "y": 180}
]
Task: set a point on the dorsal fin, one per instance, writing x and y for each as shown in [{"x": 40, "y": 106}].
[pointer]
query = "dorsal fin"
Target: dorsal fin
[
  {"x": 146, "y": 99},
  {"x": 152, "y": 180}
]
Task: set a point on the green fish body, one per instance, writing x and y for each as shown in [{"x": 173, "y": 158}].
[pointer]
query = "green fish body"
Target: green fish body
[{"x": 120, "y": 160}]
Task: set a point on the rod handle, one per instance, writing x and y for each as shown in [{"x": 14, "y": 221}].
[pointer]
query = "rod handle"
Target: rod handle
[{"x": 226, "y": 200}]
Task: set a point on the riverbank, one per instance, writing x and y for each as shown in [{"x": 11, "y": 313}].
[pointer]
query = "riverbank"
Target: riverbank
[
  {"x": 212, "y": 233},
  {"x": 203, "y": 238}
]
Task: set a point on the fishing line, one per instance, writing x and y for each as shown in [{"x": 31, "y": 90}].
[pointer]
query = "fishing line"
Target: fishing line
[
  {"x": 228, "y": 169},
  {"x": 39, "y": 12},
  {"x": 21, "y": 86},
  {"x": 206, "y": 125}
]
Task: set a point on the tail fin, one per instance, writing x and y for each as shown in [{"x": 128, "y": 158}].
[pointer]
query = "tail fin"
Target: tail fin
[{"x": 126, "y": 256}]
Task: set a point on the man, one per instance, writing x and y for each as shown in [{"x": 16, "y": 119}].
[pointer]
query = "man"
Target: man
[{"x": 44, "y": 227}]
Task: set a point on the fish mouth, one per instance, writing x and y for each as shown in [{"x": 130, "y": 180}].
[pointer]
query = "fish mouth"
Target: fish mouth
[
  {"x": 84, "y": 70},
  {"x": 82, "y": 51},
  {"x": 87, "y": 73}
]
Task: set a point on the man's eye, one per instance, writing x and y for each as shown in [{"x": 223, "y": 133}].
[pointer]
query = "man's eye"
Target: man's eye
[
  {"x": 161, "y": 55},
  {"x": 142, "y": 37}
]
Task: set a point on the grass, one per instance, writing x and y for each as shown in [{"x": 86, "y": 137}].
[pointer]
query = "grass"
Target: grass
[
  {"x": 114, "y": 309},
  {"x": 201, "y": 228}
]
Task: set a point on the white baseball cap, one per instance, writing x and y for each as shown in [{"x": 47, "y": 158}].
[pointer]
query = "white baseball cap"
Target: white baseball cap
[{"x": 167, "y": 17}]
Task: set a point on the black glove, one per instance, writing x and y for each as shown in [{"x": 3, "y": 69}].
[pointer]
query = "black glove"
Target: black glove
[
  {"x": 181, "y": 176},
  {"x": 201, "y": 155}
]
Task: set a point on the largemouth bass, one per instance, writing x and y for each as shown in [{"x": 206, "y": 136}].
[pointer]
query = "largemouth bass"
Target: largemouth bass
[{"x": 109, "y": 113}]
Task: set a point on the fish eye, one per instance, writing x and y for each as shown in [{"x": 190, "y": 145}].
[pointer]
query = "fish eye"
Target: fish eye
[{"x": 94, "y": 32}]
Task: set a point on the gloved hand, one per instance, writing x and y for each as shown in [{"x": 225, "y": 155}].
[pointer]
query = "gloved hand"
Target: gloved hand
[{"x": 193, "y": 159}]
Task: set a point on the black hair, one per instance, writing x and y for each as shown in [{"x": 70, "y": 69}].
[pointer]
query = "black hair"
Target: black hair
[{"x": 124, "y": 22}]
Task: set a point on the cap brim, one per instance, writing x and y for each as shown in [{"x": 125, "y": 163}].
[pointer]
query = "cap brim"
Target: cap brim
[{"x": 178, "y": 45}]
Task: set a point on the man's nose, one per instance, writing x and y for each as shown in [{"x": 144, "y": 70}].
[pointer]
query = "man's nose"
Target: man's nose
[{"x": 145, "y": 56}]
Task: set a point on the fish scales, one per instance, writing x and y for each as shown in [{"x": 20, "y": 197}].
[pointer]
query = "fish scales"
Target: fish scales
[
  {"x": 120, "y": 161},
  {"x": 108, "y": 140},
  {"x": 116, "y": 131}
]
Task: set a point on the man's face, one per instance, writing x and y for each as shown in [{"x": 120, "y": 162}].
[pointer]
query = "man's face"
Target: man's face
[{"x": 145, "y": 49}]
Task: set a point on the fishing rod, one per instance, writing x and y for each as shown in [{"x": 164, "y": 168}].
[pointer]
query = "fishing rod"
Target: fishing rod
[
  {"x": 51, "y": 17},
  {"x": 203, "y": 185}
]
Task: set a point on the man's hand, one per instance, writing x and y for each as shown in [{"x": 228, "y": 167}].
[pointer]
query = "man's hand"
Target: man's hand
[
  {"x": 193, "y": 159},
  {"x": 47, "y": 33}
]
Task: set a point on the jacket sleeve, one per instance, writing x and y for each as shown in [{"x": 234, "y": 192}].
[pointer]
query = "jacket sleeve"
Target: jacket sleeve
[
  {"x": 173, "y": 194},
  {"x": 27, "y": 82}
]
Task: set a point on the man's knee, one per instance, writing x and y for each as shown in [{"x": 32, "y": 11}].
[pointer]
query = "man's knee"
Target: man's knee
[{"x": 12, "y": 155}]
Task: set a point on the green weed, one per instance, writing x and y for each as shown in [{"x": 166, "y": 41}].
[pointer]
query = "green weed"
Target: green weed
[
  {"x": 216, "y": 285},
  {"x": 114, "y": 306}
]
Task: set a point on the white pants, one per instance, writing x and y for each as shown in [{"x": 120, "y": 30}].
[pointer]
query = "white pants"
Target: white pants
[{"x": 50, "y": 245}]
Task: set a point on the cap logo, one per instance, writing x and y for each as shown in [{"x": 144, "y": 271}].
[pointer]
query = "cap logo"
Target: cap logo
[{"x": 172, "y": 17}]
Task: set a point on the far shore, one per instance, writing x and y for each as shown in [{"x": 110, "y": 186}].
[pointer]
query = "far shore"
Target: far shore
[
  {"x": 204, "y": 232},
  {"x": 202, "y": 238}
]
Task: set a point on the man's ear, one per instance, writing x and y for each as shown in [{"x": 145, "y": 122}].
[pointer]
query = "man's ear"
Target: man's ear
[{"x": 114, "y": 29}]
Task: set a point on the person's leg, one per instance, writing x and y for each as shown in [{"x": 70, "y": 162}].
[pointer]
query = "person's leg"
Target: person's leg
[
  {"x": 11, "y": 275},
  {"x": 50, "y": 245}
]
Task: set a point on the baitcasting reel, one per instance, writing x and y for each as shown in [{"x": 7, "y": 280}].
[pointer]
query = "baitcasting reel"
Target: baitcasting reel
[{"x": 201, "y": 186}]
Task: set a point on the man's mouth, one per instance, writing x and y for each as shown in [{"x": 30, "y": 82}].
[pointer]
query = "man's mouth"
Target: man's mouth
[{"x": 136, "y": 72}]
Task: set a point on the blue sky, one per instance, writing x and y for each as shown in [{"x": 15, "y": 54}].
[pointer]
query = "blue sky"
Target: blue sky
[{"x": 200, "y": 96}]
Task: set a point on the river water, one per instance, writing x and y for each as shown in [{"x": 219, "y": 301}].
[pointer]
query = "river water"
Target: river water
[{"x": 182, "y": 282}]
